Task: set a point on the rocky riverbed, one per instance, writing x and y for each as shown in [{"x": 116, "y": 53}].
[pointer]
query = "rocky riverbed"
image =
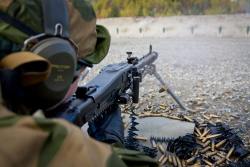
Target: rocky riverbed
[{"x": 210, "y": 75}]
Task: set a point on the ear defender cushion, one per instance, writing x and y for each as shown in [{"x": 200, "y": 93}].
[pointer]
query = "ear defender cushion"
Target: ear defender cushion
[
  {"x": 62, "y": 56},
  {"x": 34, "y": 69}
]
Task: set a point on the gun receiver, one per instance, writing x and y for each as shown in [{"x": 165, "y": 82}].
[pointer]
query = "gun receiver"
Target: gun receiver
[{"x": 115, "y": 84}]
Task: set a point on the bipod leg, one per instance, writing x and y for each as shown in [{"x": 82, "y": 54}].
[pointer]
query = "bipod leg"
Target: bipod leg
[{"x": 169, "y": 91}]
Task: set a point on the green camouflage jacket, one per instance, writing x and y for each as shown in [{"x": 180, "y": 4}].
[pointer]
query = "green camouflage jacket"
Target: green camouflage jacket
[
  {"x": 35, "y": 141},
  {"x": 93, "y": 40}
]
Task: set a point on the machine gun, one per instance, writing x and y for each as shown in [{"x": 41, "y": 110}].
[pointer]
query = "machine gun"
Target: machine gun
[{"x": 116, "y": 83}]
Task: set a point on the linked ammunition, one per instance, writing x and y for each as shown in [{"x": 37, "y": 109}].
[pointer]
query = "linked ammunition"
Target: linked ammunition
[
  {"x": 212, "y": 123},
  {"x": 203, "y": 125},
  {"x": 179, "y": 164},
  {"x": 161, "y": 158},
  {"x": 170, "y": 159},
  {"x": 142, "y": 138},
  {"x": 209, "y": 154},
  {"x": 207, "y": 162},
  {"x": 214, "y": 116},
  {"x": 213, "y": 136},
  {"x": 198, "y": 131},
  {"x": 183, "y": 163},
  {"x": 188, "y": 118},
  {"x": 196, "y": 134},
  {"x": 213, "y": 145},
  {"x": 218, "y": 145},
  {"x": 205, "y": 149},
  {"x": 200, "y": 143},
  {"x": 126, "y": 125},
  {"x": 173, "y": 117},
  {"x": 204, "y": 139},
  {"x": 196, "y": 152},
  {"x": 163, "y": 107},
  {"x": 196, "y": 165},
  {"x": 153, "y": 143},
  {"x": 207, "y": 117},
  {"x": 206, "y": 131},
  {"x": 220, "y": 161},
  {"x": 229, "y": 153},
  {"x": 165, "y": 159},
  {"x": 174, "y": 160},
  {"x": 161, "y": 149},
  {"x": 207, "y": 143},
  {"x": 221, "y": 155},
  {"x": 190, "y": 160}
]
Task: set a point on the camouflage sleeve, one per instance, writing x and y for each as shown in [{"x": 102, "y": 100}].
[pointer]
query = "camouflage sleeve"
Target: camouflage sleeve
[
  {"x": 82, "y": 26},
  {"x": 42, "y": 142},
  {"x": 133, "y": 158}
]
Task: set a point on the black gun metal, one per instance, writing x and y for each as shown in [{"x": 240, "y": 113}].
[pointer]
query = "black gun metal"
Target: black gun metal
[{"x": 116, "y": 83}]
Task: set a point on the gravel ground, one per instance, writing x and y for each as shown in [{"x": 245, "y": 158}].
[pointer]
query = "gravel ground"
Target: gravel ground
[{"x": 211, "y": 75}]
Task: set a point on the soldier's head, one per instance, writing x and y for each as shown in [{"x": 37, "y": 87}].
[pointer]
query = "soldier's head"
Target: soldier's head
[{"x": 44, "y": 44}]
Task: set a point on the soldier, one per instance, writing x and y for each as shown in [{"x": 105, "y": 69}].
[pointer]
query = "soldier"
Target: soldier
[{"x": 44, "y": 44}]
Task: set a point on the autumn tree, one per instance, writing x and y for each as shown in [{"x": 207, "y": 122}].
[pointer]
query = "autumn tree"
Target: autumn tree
[{"x": 128, "y": 8}]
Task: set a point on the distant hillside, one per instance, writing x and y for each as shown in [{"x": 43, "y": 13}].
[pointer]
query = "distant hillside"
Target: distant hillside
[{"x": 130, "y": 8}]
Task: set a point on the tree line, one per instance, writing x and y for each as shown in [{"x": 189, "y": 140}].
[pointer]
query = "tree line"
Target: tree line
[{"x": 130, "y": 8}]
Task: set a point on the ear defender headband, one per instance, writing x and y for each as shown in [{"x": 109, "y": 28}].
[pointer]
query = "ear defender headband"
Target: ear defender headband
[{"x": 54, "y": 45}]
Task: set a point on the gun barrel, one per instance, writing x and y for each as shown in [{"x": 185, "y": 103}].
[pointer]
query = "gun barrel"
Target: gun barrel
[{"x": 147, "y": 60}]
